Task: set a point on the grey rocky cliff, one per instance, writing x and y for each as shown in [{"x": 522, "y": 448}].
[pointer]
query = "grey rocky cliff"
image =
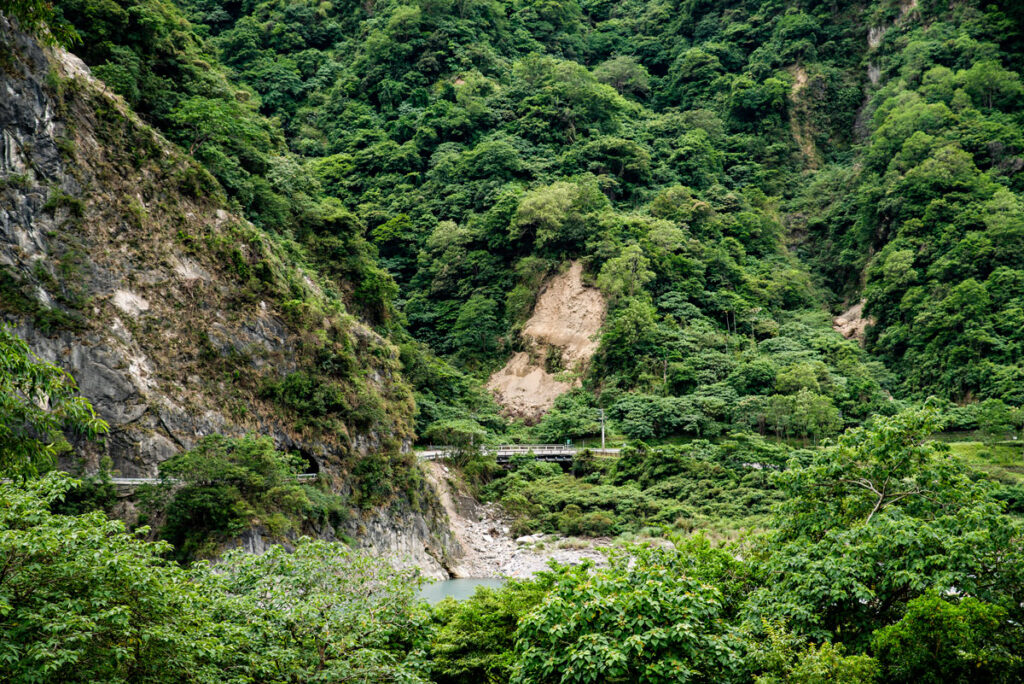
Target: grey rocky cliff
[
  {"x": 105, "y": 271},
  {"x": 404, "y": 537},
  {"x": 409, "y": 538},
  {"x": 73, "y": 277}
]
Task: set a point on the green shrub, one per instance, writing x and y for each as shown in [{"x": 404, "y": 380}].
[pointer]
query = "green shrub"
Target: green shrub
[{"x": 224, "y": 486}]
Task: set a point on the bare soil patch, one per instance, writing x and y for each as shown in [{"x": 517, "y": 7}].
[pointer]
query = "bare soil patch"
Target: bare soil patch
[{"x": 564, "y": 325}]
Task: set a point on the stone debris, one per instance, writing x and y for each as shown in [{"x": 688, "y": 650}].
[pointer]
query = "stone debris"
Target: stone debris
[
  {"x": 488, "y": 549},
  {"x": 851, "y": 324}
]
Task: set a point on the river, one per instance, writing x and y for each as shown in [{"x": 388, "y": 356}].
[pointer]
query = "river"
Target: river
[{"x": 458, "y": 589}]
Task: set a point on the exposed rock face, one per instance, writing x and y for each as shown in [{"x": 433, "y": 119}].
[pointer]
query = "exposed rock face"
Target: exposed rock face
[
  {"x": 852, "y": 324},
  {"x": 120, "y": 263},
  {"x": 409, "y": 539},
  {"x": 525, "y": 388},
  {"x": 564, "y": 327},
  {"x": 875, "y": 35},
  {"x": 107, "y": 272},
  {"x": 91, "y": 270},
  {"x": 404, "y": 538}
]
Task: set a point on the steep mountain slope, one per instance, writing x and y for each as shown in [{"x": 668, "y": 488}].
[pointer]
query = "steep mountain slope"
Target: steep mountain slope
[
  {"x": 928, "y": 224},
  {"x": 112, "y": 236},
  {"x": 483, "y": 146},
  {"x": 121, "y": 263},
  {"x": 729, "y": 175}
]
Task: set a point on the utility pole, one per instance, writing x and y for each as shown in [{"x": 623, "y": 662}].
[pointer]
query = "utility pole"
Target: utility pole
[{"x": 602, "y": 428}]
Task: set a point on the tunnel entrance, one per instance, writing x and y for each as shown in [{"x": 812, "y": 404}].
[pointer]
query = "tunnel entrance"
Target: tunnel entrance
[{"x": 310, "y": 466}]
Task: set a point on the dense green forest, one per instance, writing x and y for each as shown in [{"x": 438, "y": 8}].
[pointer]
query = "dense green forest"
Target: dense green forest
[
  {"x": 727, "y": 173},
  {"x": 731, "y": 176},
  {"x": 887, "y": 559}
]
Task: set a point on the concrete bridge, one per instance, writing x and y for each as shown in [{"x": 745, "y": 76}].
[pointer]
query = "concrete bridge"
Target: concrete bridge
[{"x": 503, "y": 453}]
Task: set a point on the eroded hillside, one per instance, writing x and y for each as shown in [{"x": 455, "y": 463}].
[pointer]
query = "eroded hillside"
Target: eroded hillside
[{"x": 559, "y": 339}]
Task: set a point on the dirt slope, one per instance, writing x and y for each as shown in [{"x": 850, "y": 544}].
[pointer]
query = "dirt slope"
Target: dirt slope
[{"x": 563, "y": 328}]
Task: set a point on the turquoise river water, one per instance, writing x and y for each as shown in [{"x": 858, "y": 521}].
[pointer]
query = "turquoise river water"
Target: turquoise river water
[{"x": 458, "y": 589}]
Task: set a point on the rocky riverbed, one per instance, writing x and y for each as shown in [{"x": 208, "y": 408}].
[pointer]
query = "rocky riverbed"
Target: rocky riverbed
[{"x": 488, "y": 549}]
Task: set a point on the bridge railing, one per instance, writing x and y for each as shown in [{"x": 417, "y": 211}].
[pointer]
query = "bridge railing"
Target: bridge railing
[
  {"x": 509, "y": 448},
  {"x": 535, "y": 448},
  {"x": 434, "y": 449}
]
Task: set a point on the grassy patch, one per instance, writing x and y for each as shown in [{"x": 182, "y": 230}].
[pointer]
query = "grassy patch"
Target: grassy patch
[{"x": 1001, "y": 462}]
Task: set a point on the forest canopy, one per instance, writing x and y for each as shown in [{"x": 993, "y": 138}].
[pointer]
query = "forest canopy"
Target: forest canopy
[{"x": 725, "y": 173}]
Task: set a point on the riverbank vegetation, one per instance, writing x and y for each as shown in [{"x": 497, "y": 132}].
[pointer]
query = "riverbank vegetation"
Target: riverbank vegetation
[
  {"x": 883, "y": 561},
  {"x": 700, "y": 486}
]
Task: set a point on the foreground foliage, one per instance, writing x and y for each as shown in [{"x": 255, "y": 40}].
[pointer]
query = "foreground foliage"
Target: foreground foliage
[
  {"x": 318, "y": 614},
  {"x": 641, "y": 619},
  {"x": 474, "y": 640},
  {"x": 82, "y": 600},
  {"x": 885, "y": 562},
  {"x": 878, "y": 520}
]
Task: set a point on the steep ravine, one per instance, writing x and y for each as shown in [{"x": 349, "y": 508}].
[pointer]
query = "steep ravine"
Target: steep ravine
[{"x": 482, "y": 534}]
